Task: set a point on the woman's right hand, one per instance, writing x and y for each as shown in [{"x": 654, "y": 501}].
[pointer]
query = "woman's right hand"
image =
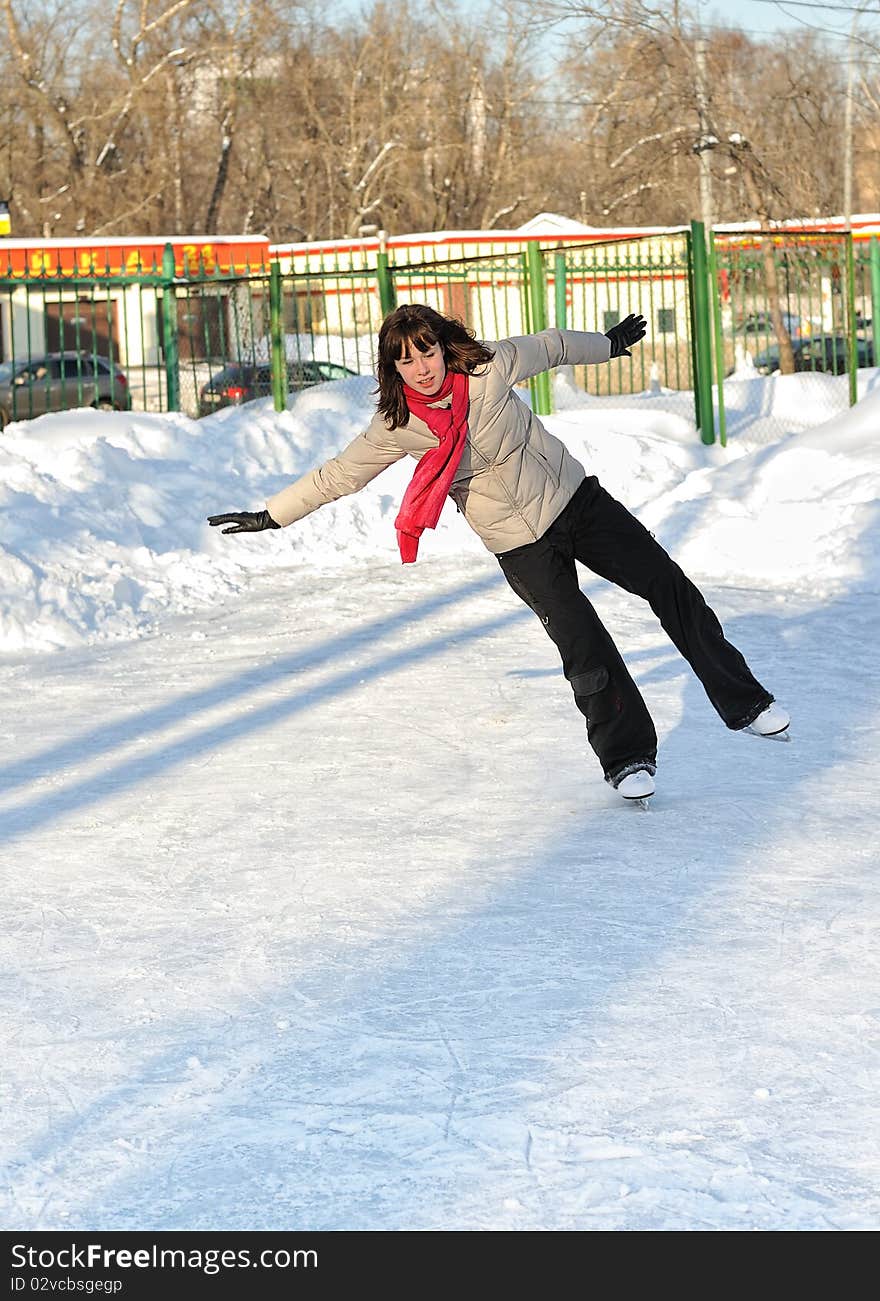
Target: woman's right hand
[{"x": 244, "y": 521}]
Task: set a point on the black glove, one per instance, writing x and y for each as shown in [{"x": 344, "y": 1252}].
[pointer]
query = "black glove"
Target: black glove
[
  {"x": 627, "y": 332},
  {"x": 245, "y": 521}
]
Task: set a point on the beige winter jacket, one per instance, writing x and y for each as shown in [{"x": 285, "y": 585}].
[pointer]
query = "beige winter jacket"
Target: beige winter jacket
[{"x": 514, "y": 478}]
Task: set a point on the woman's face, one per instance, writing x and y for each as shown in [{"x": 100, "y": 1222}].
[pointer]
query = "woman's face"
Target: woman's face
[{"x": 424, "y": 371}]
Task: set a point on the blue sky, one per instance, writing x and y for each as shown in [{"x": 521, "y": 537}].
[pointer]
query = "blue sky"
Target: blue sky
[
  {"x": 765, "y": 17},
  {"x": 758, "y": 16}
]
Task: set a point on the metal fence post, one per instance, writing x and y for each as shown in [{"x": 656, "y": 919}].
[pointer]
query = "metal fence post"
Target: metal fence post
[
  {"x": 385, "y": 279},
  {"x": 560, "y": 288},
  {"x": 702, "y": 327},
  {"x": 537, "y": 293},
  {"x": 852, "y": 361},
  {"x": 170, "y": 342},
  {"x": 874, "y": 247},
  {"x": 718, "y": 331},
  {"x": 276, "y": 336},
  {"x": 692, "y": 332}
]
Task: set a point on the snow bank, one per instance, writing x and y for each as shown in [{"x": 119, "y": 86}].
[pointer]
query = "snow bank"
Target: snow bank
[
  {"x": 104, "y": 530},
  {"x": 801, "y": 514}
]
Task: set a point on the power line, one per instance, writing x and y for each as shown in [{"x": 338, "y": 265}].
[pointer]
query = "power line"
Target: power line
[
  {"x": 767, "y": 37},
  {"x": 851, "y": 37},
  {"x": 834, "y": 33},
  {"x": 814, "y": 4}
]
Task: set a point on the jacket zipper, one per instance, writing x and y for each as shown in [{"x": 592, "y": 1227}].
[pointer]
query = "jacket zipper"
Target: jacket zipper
[{"x": 516, "y": 510}]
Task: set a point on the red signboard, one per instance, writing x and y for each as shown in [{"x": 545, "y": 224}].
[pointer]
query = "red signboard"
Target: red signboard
[{"x": 132, "y": 258}]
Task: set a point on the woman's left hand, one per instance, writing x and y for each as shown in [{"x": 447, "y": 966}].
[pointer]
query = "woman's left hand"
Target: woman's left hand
[{"x": 627, "y": 332}]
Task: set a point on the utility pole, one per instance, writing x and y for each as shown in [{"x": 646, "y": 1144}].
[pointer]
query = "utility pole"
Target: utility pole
[
  {"x": 848, "y": 127},
  {"x": 707, "y": 141}
]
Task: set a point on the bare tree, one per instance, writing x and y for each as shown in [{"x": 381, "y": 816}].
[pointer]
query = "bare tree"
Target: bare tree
[
  {"x": 670, "y": 113},
  {"x": 81, "y": 114},
  {"x": 634, "y": 68},
  {"x": 166, "y": 116}
]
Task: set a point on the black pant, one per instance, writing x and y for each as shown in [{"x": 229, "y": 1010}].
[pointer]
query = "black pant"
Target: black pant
[{"x": 603, "y": 535}]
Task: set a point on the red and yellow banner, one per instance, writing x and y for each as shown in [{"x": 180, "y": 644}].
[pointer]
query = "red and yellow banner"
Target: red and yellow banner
[{"x": 138, "y": 257}]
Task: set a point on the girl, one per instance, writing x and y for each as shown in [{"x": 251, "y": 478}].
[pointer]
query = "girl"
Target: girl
[{"x": 448, "y": 401}]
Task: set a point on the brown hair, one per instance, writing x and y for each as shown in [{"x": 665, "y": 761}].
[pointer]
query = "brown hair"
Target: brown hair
[{"x": 416, "y": 326}]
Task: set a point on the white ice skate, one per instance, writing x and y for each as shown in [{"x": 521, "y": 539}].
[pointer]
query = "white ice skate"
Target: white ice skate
[
  {"x": 637, "y": 786},
  {"x": 773, "y": 722}
]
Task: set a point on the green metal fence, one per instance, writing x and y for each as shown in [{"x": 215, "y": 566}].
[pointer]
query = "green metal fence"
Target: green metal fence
[
  {"x": 332, "y": 307},
  {"x": 595, "y": 286},
  {"x": 720, "y": 309},
  {"x": 588, "y": 286},
  {"x": 149, "y": 339},
  {"x": 491, "y": 293},
  {"x": 793, "y": 302}
]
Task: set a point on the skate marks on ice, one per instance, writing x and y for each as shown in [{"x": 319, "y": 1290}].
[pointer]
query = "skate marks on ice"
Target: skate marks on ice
[
  {"x": 209, "y": 719},
  {"x": 475, "y": 993}
]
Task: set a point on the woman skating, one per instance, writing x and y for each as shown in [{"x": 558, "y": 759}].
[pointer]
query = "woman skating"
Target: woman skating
[{"x": 449, "y": 401}]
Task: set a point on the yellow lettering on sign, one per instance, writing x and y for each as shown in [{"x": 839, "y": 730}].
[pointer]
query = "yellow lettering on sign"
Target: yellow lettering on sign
[
  {"x": 195, "y": 258},
  {"x": 41, "y": 261}
]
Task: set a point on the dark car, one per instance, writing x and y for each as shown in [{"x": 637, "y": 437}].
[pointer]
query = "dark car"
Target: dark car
[
  {"x": 241, "y": 383},
  {"x": 823, "y": 352},
  {"x": 58, "y": 381},
  {"x": 762, "y": 323}
]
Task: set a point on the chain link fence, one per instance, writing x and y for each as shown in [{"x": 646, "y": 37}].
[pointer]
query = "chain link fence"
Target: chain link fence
[{"x": 791, "y": 303}]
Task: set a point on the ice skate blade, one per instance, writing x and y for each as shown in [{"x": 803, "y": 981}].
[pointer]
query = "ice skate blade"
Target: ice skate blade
[
  {"x": 782, "y": 735},
  {"x": 638, "y": 801}
]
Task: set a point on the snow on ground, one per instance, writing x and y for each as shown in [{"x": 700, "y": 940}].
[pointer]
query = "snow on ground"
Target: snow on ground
[
  {"x": 105, "y": 528},
  {"x": 318, "y": 912}
]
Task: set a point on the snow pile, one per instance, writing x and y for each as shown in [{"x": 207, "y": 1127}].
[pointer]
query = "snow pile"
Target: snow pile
[
  {"x": 104, "y": 529},
  {"x": 758, "y": 409},
  {"x": 801, "y": 514}
]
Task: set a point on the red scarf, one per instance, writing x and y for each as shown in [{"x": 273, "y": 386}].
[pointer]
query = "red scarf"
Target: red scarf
[{"x": 429, "y": 487}]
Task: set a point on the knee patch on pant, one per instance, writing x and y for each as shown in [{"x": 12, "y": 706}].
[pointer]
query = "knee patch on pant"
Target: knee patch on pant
[{"x": 591, "y": 695}]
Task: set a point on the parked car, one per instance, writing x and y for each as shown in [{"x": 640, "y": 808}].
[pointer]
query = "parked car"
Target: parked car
[
  {"x": 762, "y": 323},
  {"x": 58, "y": 381},
  {"x": 823, "y": 352},
  {"x": 237, "y": 383}
]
